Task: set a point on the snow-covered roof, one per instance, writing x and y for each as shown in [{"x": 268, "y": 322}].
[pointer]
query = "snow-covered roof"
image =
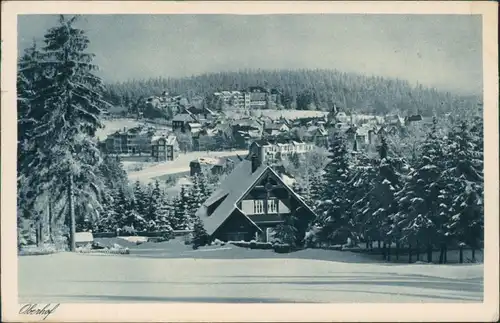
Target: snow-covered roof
[{"x": 231, "y": 190}]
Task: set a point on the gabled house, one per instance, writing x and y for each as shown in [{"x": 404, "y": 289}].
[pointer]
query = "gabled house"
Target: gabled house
[
  {"x": 164, "y": 148},
  {"x": 181, "y": 121},
  {"x": 413, "y": 118},
  {"x": 274, "y": 129},
  {"x": 251, "y": 201}
]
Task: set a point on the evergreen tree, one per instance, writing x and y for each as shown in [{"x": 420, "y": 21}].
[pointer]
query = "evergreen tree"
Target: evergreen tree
[
  {"x": 141, "y": 201},
  {"x": 418, "y": 217},
  {"x": 464, "y": 194},
  {"x": 287, "y": 232},
  {"x": 181, "y": 218},
  {"x": 62, "y": 154},
  {"x": 200, "y": 236},
  {"x": 334, "y": 209}
]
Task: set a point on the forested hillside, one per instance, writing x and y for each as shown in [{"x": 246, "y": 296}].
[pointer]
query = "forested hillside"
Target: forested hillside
[{"x": 364, "y": 94}]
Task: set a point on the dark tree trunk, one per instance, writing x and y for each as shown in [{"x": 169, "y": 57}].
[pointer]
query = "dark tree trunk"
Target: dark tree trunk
[
  {"x": 441, "y": 254},
  {"x": 409, "y": 253},
  {"x": 429, "y": 253},
  {"x": 445, "y": 253},
  {"x": 379, "y": 244},
  {"x": 418, "y": 251},
  {"x": 51, "y": 216},
  {"x": 473, "y": 254},
  {"x": 384, "y": 251},
  {"x": 397, "y": 251},
  {"x": 389, "y": 251},
  {"x": 71, "y": 211},
  {"x": 38, "y": 227},
  {"x": 367, "y": 245},
  {"x": 461, "y": 256}
]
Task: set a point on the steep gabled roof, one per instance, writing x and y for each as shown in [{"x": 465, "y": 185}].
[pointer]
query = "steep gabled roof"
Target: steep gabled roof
[{"x": 232, "y": 190}]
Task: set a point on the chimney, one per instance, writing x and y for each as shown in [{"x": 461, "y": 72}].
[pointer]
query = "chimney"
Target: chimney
[{"x": 255, "y": 163}]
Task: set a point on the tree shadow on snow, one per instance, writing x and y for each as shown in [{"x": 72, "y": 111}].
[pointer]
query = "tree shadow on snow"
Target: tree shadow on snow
[
  {"x": 136, "y": 298},
  {"x": 375, "y": 282}
]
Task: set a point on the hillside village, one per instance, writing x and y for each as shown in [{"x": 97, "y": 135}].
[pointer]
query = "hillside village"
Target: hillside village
[
  {"x": 243, "y": 121},
  {"x": 293, "y": 185}
]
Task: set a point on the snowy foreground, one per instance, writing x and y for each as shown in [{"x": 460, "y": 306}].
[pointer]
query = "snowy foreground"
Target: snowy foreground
[{"x": 169, "y": 272}]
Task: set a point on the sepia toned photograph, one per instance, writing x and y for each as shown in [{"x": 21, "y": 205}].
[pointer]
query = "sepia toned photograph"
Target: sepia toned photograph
[{"x": 231, "y": 158}]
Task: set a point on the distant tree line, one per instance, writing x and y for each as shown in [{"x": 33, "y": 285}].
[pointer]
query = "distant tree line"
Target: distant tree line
[{"x": 304, "y": 89}]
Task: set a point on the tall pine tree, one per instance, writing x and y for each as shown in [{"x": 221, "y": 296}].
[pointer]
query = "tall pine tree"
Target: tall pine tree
[{"x": 62, "y": 154}]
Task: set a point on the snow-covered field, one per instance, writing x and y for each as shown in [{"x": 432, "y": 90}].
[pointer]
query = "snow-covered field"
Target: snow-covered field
[
  {"x": 172, "y": 272},
  {"x": 179, "y": 165}
]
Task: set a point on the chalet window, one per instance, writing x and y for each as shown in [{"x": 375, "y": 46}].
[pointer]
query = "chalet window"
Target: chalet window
[
  {"x": 258, "y": 207},
  {"x": 272, "y": 206}
]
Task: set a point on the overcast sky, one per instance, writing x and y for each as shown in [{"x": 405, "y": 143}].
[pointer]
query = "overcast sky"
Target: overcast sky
[{"x": 443, "y": 51}]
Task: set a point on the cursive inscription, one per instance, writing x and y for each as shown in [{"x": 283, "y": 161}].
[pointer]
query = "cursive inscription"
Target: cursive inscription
[{"x": 36, "y": 309}]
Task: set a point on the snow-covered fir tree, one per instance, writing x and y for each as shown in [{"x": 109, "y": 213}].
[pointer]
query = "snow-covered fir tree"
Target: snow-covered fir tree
[
  {"x": 181, "y": 218},
  {"x": 334, "y": 209},
  {"x": 419, "y": 217},
  {"x": 200, "y": 236},
  {"x": 61, "y": 152},
  {"x": 463, "y": 196}
]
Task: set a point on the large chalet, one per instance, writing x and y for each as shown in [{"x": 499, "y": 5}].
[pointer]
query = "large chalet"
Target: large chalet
[{"x": 251, "y": 201}]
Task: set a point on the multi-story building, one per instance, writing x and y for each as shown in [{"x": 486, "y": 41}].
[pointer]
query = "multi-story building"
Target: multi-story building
[
  {"x": 259, "y": 97},
  {"x": 164, "y": 148},
  {"x": 134, "y": 141},
  {"x": 270, "y": 151}
]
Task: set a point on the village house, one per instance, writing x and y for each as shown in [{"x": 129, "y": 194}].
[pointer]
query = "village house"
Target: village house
[
  {"x": 271, "y": 150},
  {"x": 274, "y": 128},
  {"x": 212, "y": 165},
  {"x": 317, "y": 135},
  {"x": 245, "y": 131},
  {"x": 201, "y": 115},
  {"x": 251, "y": 201},
  {"x": 412, "y": 118},
  {"x": 180, "y": 122},
  {"x": 164, "y": 148}
]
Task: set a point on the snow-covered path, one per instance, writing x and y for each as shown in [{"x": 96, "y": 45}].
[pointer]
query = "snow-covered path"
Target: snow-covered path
[
  {"x": 224, "y": 275},
  {"x": 179, "y": 165}
]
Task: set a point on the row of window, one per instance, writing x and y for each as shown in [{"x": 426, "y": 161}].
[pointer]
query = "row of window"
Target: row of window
[{"x": 258, "y": 206}]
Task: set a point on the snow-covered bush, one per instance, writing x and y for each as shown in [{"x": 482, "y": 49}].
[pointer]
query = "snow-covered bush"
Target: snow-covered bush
[
  {"x": 311, "y": 239},
  {"x": 218, "y": 242},
  {"x": 46, "y": 249},
  {"x": 116, "y": 249}
]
